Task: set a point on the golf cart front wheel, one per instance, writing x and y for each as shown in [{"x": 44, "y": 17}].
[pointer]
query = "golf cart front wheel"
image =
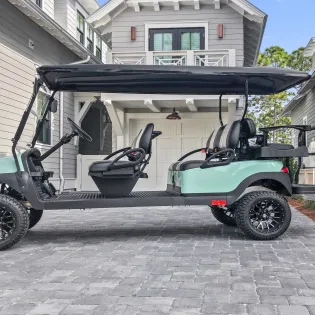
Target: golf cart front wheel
[
  {"x": 35, "y": 216},
  {"x": 14, "y": 221},
  {"x": 224, "y": 215},
  {"x": 263, "y": 215}
]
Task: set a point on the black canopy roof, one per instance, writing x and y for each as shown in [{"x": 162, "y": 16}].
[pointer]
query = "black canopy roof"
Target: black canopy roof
[{"x": 142, "y": 79}]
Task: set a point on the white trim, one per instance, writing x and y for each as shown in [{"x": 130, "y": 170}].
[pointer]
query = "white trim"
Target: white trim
[{"x": 188, "y": 24}]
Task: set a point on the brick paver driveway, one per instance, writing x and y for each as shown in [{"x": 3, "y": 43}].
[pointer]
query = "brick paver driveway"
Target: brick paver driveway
[{"x": 156, "y": 261}]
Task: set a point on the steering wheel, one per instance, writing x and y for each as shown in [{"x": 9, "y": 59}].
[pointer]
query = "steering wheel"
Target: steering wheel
[{"x": 79, "y": 131}]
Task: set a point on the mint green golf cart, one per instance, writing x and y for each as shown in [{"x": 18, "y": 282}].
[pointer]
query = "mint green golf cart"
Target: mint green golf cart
[{"x": 243, "y": 178}]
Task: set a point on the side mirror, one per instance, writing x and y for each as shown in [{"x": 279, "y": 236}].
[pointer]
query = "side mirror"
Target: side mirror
[{"x": 54, "y": 106}]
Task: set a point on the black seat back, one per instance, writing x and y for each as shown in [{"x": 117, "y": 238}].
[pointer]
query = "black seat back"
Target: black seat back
[
  {"x": 144, "y": 139},
  {"x": 248, "y": 129},
  {"x": 228, "y": 136}
]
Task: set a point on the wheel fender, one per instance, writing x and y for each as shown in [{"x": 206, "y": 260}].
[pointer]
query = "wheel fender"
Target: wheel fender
[
  {"x": 11, "y": 180},
  {"x": 248, "y": 184}
]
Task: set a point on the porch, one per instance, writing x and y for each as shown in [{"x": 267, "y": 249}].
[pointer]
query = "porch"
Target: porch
[{"x": 123, "y": 116}]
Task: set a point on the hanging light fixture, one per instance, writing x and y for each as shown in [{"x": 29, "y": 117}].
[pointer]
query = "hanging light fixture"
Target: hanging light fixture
[{"x": 174, "y": 115}]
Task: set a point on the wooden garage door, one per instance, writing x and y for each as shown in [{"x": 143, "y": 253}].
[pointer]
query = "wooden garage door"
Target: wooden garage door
[{"x": 178, "y": 138}]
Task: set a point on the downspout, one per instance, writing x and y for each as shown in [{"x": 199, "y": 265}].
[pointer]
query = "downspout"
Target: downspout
[{"x": 62, "y": 180}]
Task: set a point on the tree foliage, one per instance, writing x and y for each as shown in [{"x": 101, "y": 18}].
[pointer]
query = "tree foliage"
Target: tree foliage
[{"x": 266, "y": 110}]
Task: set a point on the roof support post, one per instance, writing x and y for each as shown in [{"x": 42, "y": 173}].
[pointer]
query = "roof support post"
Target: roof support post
[{"x": 220, "y": 109}]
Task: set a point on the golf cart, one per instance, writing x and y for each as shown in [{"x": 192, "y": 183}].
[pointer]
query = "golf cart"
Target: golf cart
[{"x": 243, "y": 183}]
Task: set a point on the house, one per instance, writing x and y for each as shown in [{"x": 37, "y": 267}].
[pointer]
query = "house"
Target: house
[
  {"x": 302, "y": 112},
  {"x": 32, "y": 33},
  {"x": 301, "y": 107},
  {"x": 178, "y": 32}
]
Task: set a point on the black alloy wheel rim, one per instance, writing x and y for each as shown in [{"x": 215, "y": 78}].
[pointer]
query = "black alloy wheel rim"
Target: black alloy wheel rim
[
  {"x": 7, "y": 223},
  {"x": 266, "y": 216}
]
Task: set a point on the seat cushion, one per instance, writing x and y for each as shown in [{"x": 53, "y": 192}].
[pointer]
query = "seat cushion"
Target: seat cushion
[
  {"x": 102, "y": 167},
  {"x": 187, "y": 165},
  {"x": 280, "y": 146}
]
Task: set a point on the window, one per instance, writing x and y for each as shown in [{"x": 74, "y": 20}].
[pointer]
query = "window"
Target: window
[
  {"x": 80, "y": 27},
  {"x": 177, "y": 39},
  {"x": 98, "y": 52},
  {"x": 45, "y": 134},
  {"x": 90, "y": 38},
  {"x": 39, "y": 3}
]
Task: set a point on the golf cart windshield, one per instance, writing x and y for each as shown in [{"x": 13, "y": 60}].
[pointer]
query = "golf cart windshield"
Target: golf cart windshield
[{"x": 169, "y": 79}]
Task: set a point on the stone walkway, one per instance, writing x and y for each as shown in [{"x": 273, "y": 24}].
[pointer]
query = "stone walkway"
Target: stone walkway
[{"x": 156, "y": 261}]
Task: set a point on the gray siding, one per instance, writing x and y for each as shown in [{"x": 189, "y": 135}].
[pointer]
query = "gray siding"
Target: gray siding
[
  {"x": 305, "y": 108},
  {"x": 48, "y": 7},
  {"x": 17, "y": 70},
  {"x": 233, "y": 27},
  {"x": 65, "y": 15}
]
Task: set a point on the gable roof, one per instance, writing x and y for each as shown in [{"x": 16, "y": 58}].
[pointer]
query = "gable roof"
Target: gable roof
[{"x": 254, "y": 19}]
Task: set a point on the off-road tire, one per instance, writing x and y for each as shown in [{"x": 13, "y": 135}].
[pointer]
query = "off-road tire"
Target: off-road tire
[
  {"x": 246, "y": 206},
  {"x": 220, "y": 214},
  {"x": 35, "y": 216},
  {"x": 21, "y": 221}
]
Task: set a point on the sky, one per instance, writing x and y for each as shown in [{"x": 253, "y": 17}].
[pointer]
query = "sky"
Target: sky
[{"x": 291, "y": 23}]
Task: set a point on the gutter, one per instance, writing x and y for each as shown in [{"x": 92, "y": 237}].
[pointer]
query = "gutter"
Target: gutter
[{"x": 62, "y": 180}]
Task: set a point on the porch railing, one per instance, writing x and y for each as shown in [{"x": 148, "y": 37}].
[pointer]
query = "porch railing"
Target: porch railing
[{"x": 214, "y": 58}]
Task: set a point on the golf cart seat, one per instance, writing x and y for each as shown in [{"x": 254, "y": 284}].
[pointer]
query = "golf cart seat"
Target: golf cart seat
[
  {"x": 209, "y": 144},
  {"x": 263, "y": 149},
  {"x": 226, "y": 137},
  {"x": 117, "y": 177}
]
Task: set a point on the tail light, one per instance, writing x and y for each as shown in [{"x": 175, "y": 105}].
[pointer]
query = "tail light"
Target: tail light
[
  {"x": 285, "y": 170},
  {"x": 218, "y": 203}
]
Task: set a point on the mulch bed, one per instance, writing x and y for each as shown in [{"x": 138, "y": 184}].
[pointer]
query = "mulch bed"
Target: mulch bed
[{"x": 299, "y": 205}]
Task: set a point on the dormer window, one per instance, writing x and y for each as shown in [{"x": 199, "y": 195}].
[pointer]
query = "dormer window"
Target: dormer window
[
  {"x": 39, "y": 3},
  {"x": 90, "y": 38},
  {"x": 98, "y": 51},
  {"x": 80, "y": 27}
]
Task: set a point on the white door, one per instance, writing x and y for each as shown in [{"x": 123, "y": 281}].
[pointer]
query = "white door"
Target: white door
[{"x": 177, "y": 139}]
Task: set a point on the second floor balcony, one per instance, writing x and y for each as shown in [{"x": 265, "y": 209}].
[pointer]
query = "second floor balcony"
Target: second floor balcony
[{"x": 210, "y": 58}]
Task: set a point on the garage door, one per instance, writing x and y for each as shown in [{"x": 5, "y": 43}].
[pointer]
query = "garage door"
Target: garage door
[{"x": 178, "y": 138}]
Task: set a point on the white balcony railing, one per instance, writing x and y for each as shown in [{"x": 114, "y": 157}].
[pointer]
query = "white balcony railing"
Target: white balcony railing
[{"x": 214, "y": 58}]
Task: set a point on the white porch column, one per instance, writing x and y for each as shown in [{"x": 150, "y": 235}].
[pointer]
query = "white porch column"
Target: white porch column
[{"x": 231, "y": 109}]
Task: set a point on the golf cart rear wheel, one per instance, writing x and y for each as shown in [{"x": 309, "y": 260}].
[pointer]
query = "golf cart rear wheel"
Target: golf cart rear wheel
[
  {"x": 263, "y": 215},
  {"x": 14, "y": 221},
  {"x": 224, "y": 215},
  {"x": 35, "y": 216}
]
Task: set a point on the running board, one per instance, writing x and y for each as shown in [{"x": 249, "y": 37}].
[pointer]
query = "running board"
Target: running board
[
  {"x": 88, "y": 200},
  {"x": 301, "y": 189}
]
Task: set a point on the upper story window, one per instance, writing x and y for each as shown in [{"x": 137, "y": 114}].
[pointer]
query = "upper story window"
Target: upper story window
[
  {"x": 90, "y": 38},
  {"x": 98, "y": 51},
  {"x": 39, "y": 3},
  {"x": 80, "y": 27}
]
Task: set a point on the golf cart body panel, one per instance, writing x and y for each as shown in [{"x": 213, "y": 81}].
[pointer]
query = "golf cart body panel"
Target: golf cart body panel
[
  {"x": 221, "y": 178},
  {"x": 7, "y": 164},
  {"x": 143, "y": 79}
]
